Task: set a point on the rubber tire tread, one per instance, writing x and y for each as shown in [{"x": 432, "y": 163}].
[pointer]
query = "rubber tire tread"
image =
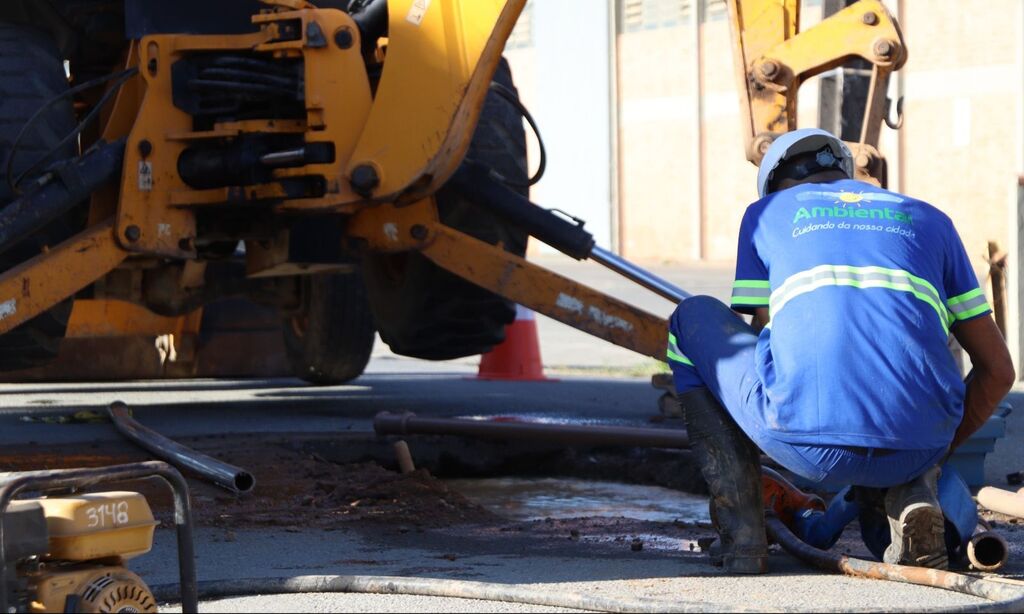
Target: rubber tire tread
[
  {"x": 31, "y": 73},
  {"x": 339, "y": 333},
  {"x": 424, "y": 311}
]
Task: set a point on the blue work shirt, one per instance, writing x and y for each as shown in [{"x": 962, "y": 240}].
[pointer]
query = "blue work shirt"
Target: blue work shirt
[{"x": 862, "y": 286}]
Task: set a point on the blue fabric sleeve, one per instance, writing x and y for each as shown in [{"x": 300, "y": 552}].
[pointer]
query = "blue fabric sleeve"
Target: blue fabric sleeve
[
  {"x": 965, "y": 299},
  {"x": 750, "y": 288}
]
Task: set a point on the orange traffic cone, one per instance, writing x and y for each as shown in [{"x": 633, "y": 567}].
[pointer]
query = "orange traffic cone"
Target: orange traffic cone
[{"x": 518, "y": 357}]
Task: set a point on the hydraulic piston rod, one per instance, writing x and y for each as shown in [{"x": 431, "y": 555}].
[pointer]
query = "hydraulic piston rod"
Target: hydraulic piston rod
[{"x": 646, "y": 279}]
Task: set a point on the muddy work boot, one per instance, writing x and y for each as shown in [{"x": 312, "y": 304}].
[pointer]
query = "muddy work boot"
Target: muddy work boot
[
  {"x": 916, "y": 523},
  {"x": 731, "y": 467}
]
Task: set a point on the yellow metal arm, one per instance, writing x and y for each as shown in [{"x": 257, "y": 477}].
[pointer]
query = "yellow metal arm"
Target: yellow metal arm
[
  {"x": 40, "y": 283},
  {"x": 387, "y": 228},
  {"x": 441, "y": 56},
  {"x": 774, "y": 60}
]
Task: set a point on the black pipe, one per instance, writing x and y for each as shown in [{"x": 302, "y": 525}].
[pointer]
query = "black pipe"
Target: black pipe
[
  {"x": 483, "y": 189},
  {"x": 233, "y": 478},
  {"x": 12, "y": 484},
  {"x": 59, "y": 191},
  {"x": 386, "y": 423}
]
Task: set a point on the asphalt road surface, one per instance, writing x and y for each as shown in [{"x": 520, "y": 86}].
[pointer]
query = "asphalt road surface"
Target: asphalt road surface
[{"x": 594, "y": 564}]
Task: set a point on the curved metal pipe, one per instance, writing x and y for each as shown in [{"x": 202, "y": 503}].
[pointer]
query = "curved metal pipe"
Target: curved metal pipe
[
  {"x": 987, "y": 551},
  {"x": 235, "y": 479},
  {"x": 1002, "y": 501},
  {"x": 1006, "y": 597}
]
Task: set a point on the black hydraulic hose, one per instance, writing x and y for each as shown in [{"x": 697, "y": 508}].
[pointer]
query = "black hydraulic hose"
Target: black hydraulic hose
[
  {"x": 59, "y": 192},
  {"x": 1001, "y": 597},
  {"x": 435, "y": 587},
  {"x": 233, "y": 478},
  {"x": 119, "y": 80},
  {"x": 513, "y": 99}
]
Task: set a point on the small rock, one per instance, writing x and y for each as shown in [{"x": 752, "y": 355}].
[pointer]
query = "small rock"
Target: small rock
[
  {"x": 403, "y": 530},
  {"x": 574, "y": 534},
  {"x": 229, "y": 536},
  {"x": 704, "y": 543},
  {"x": 636, "y": 545},
  {"x": 449, "y": 557}
]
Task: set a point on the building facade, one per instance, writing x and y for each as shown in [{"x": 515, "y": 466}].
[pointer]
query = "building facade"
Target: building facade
[{"x": 638, "y": 105}]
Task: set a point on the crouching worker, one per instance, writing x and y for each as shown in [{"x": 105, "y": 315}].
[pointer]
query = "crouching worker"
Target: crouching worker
[{"x": 845, "y": 377}]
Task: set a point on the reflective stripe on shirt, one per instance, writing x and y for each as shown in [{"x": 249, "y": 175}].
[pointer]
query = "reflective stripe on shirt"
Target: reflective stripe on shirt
[
  {"x": 674, "y": 353},
  {"x": 968, "y": 304},
  {"x": 861, "y": 277},
  {"x": 751, "y": 292}
]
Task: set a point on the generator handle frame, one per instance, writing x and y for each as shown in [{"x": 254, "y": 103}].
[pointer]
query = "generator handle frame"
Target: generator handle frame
[{"x": 11, "y": 484}]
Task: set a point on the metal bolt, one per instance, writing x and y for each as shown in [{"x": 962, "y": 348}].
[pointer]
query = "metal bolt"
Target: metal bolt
[
  {"x": 870, "y": 19},
  {"x": 883, "y": 48},
  {"x": 343, "y": 38},
  {"x": 132, "y": 233},
  {"x": 364, "y": 179},
  {"x": 418, "y": 232},
  {"x": 145, "y": 148},
  {"x": 762, "y": 143},
  {"x": 769, "y": 69}
]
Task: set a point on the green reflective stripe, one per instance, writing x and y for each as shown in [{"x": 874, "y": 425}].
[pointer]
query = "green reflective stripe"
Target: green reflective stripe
[
  {"x": 861, "y": 278},
  {"x": 751, "y": 292},
  {"x": 754, "y": 293},
  {"x": 973, "y": 312},
  {"x": 750, "y": 301},
  {"x": 673, "y": 351},
  {"x": 966, "y": 296},
  {"x": 969, "y": 304},
  {"x": 679, "y": 358}
]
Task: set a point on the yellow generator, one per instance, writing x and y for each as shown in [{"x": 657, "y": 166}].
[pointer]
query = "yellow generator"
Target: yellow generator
[{"x": 69, "y": 553}]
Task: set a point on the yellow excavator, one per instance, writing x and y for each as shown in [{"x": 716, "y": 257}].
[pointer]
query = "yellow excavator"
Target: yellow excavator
[{"x": 351, "y": 165}]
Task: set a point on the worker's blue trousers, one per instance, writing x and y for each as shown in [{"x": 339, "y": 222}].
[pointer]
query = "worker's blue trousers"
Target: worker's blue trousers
[{"x": 720, "y": 346}]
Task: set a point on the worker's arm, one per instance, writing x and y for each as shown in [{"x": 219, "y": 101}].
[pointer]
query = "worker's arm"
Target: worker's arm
[
  {"x": 760, "y": 320},
  {"x": 992, "y": 376}
]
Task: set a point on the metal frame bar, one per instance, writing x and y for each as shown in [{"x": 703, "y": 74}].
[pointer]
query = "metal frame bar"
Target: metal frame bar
[{"x": 79, "y": 479}]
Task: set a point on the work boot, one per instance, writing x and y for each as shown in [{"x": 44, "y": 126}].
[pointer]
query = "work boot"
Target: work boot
[
  {"x": 916, "y": 523},
  {"x": 731, "y": 466}
]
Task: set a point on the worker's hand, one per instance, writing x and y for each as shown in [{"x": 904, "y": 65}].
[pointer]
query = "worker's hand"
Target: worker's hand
[{"x": 993, "y": 374}]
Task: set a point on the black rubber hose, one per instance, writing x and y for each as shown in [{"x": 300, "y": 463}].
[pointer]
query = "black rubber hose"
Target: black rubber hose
[
  {"x": 1001, "y": 597},
  {"x": 434, "y": 587}
]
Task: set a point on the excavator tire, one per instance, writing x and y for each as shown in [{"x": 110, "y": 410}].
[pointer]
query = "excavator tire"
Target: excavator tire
[
  {"x": 424, "y": 311},
  {"x": 31, "y": 73},
  {"x": 329, "y": 340}
]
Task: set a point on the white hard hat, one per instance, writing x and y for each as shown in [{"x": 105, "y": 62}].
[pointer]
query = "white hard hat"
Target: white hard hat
[{"x": 805, "y": 140}]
